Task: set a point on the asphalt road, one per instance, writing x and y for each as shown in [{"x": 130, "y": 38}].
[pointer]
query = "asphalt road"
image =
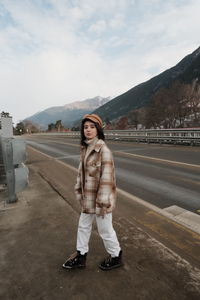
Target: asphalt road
[{"x": 163, "y": 175}]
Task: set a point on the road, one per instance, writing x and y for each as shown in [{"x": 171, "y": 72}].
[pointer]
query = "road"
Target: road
[{"x": 163, "y": 175}]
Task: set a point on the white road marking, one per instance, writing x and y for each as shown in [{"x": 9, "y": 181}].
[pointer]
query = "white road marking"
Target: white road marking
[
  {"x": 158, "y": 159},
  {"x": 53, "y": 158}
]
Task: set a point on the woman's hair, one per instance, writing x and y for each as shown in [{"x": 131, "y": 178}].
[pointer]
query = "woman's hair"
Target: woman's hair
[{"x": 100, "y": 132}]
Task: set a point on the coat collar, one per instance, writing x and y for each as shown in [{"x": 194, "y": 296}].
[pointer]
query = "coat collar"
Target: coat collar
[{"x": 97, "y": 145}]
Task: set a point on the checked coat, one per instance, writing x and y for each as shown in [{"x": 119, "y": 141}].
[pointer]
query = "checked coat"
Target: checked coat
[{"x": 96, "y": 185}]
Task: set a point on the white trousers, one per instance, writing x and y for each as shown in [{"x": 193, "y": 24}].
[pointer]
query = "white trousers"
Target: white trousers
[{"x": 105, "y": 230}]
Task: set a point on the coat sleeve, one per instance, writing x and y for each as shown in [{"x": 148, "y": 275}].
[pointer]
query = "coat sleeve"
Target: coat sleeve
[
  {"x": 107, "y": 183},
  {"x": 77, "y": 187}
]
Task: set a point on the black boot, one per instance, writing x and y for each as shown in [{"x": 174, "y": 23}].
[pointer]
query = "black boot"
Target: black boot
[
  {"x": 111, "y": 262},
  {"x": 76, "y": 260}
]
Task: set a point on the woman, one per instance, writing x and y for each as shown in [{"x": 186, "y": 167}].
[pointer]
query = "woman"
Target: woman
[{"x": 96, "y": 190}]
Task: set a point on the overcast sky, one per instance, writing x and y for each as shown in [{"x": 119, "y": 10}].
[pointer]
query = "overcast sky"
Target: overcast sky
[{"x": 54, "y": 52}]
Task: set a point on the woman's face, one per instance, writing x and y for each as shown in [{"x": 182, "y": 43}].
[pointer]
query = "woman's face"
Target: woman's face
[{"x": 90, "y": 130}]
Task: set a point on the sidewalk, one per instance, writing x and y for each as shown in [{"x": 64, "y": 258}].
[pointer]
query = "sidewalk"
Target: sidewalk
[{"x": 39, "y": 232}]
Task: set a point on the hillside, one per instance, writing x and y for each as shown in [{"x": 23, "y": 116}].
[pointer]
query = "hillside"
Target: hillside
[
  {"x": 68, "y": 113},
  {"x": 140, "y": 96}
]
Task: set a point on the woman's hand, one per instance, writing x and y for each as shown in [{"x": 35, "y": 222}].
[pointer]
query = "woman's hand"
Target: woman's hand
[{"x": 102, "y": 212}]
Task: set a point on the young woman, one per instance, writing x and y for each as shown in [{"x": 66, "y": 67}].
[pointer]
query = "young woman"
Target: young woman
[{"x": 96, "y": 190}]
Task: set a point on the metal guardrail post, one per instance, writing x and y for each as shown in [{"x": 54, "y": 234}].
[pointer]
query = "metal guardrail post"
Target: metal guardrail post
[{"x": 7, "y": 151}]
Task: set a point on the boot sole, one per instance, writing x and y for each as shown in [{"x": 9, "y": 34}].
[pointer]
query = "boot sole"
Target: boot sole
[
  {"x": 75, "y": 267},
  {"x": 110, "y": 268}
]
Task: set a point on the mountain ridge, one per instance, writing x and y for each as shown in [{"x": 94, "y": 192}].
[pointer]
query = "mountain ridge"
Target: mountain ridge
[
  {"x": 141, "y": 95},
  {"x": 67, "y": 113}
]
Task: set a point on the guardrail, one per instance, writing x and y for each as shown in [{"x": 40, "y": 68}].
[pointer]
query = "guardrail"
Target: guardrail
[
  {"x": 166, "y": 136},
  {"x": 172, "y": 136}
]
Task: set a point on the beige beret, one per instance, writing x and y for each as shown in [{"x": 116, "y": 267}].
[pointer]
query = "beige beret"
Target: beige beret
[{"x": 94, "y": 118}]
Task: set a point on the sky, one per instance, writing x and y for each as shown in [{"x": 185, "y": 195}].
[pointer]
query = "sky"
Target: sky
[{"x": 55, "y": 52}]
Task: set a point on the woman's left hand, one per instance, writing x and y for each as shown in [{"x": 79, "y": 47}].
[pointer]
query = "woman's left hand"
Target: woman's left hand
[{"x": 103, "y": 211}]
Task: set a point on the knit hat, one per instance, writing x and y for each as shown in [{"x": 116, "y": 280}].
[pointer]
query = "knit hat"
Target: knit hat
[{"x": 94, "y": 118}]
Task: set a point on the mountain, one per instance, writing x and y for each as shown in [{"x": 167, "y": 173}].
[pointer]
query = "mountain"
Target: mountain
[
  {"x": 139, "y": 96},
  {"x": 67, "y": 113}
]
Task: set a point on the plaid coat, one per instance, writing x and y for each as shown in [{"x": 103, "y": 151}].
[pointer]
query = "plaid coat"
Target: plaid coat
[{"x": 96, "y": 185}]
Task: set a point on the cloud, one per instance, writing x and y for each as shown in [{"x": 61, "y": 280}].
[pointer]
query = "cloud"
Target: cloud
[
  {"x": 117, "y": 22},
  {"x": 98, "y": 27}
]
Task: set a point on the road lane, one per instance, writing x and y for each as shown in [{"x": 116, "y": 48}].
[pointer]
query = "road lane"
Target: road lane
[
  {"x": 157, "y": 181},
  {"x": 186, "y": 154}
]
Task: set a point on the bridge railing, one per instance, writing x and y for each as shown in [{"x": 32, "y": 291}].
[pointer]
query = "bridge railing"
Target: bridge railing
[{"x": 165, "y": 136}]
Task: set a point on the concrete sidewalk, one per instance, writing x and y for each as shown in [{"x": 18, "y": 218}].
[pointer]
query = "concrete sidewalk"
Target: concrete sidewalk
[{"x": 39, "y": 232}]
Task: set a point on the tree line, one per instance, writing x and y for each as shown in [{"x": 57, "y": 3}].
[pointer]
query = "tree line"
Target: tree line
[{"x": 176, "y": 106}]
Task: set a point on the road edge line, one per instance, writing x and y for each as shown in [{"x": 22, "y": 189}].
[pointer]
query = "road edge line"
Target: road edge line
[{"x": 158, "y": 159}]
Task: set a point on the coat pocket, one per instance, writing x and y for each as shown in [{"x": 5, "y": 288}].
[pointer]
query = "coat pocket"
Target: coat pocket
[{"x": 94, "y": 169}]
